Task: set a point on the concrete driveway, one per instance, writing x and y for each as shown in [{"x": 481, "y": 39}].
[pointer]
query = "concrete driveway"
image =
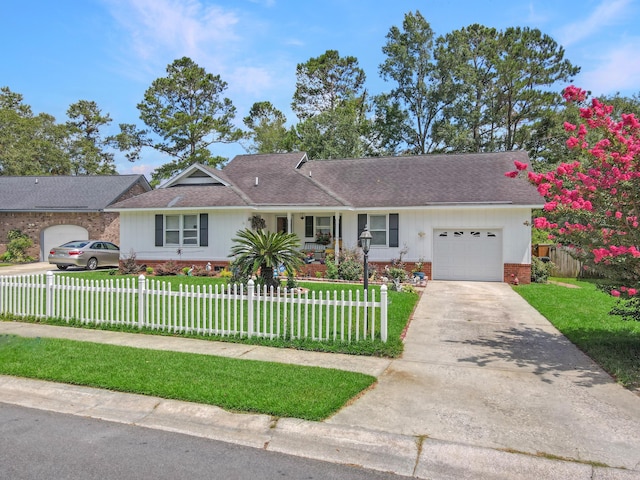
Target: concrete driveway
[
  {"x": 27, "y": 268},
  {"x": 481, "y": 367}
]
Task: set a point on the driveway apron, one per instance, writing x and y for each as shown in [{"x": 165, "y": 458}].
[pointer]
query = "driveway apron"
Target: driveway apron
[{"x": 482, "y": 367}]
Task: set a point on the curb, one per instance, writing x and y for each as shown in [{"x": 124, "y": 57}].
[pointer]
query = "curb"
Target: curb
[{"x": 406, "y": 455}]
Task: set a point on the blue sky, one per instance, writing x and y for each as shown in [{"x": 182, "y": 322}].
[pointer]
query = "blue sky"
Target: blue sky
[{"x": 58, "y": 52}]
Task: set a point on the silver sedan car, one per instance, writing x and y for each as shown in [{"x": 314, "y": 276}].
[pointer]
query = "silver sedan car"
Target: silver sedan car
[{"x": 90, "y": 254}]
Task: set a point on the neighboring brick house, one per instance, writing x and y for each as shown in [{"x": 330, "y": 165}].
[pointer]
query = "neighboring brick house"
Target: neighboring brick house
[{"x": 52, "y": 210}]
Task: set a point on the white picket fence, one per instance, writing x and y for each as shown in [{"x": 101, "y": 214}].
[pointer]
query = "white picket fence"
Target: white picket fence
[{"x": 205, "y": 310}]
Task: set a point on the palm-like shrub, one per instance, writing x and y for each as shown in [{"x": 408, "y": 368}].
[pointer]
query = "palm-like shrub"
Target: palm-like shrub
[{"x": 264, "y": 251}]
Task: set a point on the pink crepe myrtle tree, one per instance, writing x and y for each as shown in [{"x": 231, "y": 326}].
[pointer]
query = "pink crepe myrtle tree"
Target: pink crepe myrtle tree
[{"x": 593, "y": 200}]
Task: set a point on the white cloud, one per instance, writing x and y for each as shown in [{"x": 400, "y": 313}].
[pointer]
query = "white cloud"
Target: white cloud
[
  {"x": 158, "y": 31},
  {"x": 535, "y": 17},
  {"x": 221, "y": 40},
  {"x": 617, "y": 70},
  {"x": 607, "y": 13},
  {"x": 136, "y": 169}
]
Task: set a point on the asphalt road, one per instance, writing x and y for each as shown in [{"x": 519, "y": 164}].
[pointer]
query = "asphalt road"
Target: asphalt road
[{"x": 35, "y": 445}]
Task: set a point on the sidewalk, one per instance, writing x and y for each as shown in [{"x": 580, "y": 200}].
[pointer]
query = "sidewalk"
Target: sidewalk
[{"x": 484, "y": 385}]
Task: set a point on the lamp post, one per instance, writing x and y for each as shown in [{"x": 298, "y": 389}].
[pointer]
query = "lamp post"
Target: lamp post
[{"x": 365, "y": 243}]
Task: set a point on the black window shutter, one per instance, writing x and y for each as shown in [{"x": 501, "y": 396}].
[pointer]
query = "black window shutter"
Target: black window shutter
[
  {"x": 362, "y": 222},
  {"x": 308, "y": 226},
  {"x": 393, "y": 230},
  {"x": 159, "y": 230},
  {"x": 204, "y": 229}
]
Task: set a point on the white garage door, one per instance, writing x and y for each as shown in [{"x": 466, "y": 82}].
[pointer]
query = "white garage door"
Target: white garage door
[
  {"x": 461, "y": 254},
  {"x": 59, "y": 234}
]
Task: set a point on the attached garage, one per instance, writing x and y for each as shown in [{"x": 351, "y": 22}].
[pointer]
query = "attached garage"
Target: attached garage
[
  {"x": 59, "y": 234},
  {"x": 468, "y": 254}
]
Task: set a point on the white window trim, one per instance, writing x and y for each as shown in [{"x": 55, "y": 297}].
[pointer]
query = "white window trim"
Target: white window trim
[
  {"x": 181, "y": 231},
  {"x": 386, "y": 230}
]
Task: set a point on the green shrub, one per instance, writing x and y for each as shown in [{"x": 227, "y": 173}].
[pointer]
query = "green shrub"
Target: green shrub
[
  {"x": 332, "y": 268},
  {"x": 540, "y": 271},
  {"x": 350, "y": 269},
  {"x": 17, "y": 247},
  {"x": 291, "y": 280}
]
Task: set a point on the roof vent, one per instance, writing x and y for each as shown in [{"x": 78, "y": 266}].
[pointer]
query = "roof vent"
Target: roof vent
[
  {"x": 36, "y": 181},
  {"x": 256, "y": 181},
  {"x": 309, "y": 173}
]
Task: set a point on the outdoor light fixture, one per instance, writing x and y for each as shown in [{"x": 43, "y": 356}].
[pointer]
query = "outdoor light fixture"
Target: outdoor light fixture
[{"x": 365, "y": 243}]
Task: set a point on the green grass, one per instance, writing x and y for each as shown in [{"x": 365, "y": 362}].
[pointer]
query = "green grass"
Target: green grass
[
  {"x": 582, "y": 315},
  {"x": 400, "y": 306},
  {"x": 280, "y": 390}
]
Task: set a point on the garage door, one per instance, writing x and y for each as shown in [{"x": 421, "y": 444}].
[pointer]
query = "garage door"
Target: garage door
[
  {"x": 59, "y": 234},
  {"x": 461, "y": 254}
]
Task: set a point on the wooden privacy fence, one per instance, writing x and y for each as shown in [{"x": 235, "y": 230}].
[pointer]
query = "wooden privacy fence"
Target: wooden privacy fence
[{"x": 219, "y": 310}]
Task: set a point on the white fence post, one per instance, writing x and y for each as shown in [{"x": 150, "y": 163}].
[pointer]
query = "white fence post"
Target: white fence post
[
  {"x": 49, "y": 295},
  {"x": 383, "y": 313},
  {"x": 141, "y": 284},
  {"x": 304, "y": 315},
  {"x": 250, "y": 294}
]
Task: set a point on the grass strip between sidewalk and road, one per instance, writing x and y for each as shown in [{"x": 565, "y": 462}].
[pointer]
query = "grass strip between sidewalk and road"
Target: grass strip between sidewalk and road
[
  {"x": 282, "y": 390},
  {"x": 582, "y": 315}
]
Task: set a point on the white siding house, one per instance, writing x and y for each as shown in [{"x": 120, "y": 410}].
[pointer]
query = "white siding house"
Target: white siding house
[{"x": 457, "y": 213}]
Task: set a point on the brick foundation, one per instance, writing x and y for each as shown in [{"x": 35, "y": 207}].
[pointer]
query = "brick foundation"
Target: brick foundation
[
  {"x": 521, "y": 271},
  {"x": 319, "y": 270}
]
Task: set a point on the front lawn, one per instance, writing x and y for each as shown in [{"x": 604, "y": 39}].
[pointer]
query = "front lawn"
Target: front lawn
[
  {"x": 582, "y": 315},
  {"x": 311, "y": 393}
]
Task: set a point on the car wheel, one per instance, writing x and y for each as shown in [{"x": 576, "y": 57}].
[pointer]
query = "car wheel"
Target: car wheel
[
  {"x": 62, "y": 267},
  {"x": 92, "y": 264}
]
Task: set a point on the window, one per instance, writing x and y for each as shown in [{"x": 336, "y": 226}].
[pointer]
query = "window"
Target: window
[
  {"x": 378, "y": 229},
  {"x": 181, "y": 230},
  {"x": 384, "y": 229},
  {"x": 323, "y": 225}
]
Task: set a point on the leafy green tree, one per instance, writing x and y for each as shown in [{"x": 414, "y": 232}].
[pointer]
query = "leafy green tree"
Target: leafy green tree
[
  {"x": 265, "y": 251},
  {"x": 390, "y": 125},
  {"x": 530, "y": 64},
  {"x": 267, "y": 130},
  {"x": 469, "y": 122},
  {"x": 335, "y": 133},
  {"x": 331, "y": 102},
  {"x": 326, "y": 83},
  {"x": 501, "y": 86},
  {"x": 30, "y": 144},
  {"x": 186, "y": 112},
  {"x": 87, "y": 147},
  {"x": 410, "y": 65}
]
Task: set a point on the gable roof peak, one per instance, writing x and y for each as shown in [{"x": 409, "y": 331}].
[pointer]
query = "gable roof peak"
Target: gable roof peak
[{"x": 197, "y": 174}]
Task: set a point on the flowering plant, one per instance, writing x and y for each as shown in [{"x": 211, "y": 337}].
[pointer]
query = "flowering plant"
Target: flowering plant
[
  {"x": 593, "y": 201},
  {"x": 323, "y": 238}
]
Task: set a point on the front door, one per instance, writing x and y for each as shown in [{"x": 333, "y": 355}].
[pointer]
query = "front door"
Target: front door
[{"x": 282, "y": 225}]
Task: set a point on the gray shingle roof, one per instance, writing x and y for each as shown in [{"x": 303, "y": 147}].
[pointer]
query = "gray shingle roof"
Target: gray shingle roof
[
  {"x": 426, "y": 179},
  {"x": 278, "y": 180},
  {"x": 185, "y": 197},
  {"x": 288, "y": 179},
  {"x": 64, "y": 193}
]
